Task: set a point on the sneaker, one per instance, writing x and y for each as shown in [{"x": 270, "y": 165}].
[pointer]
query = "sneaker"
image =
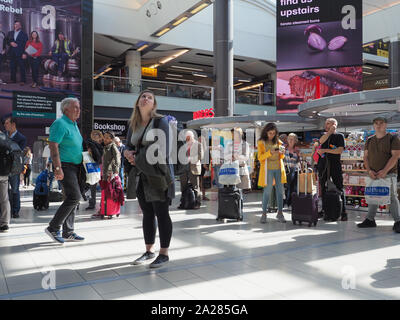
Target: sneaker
[
  {"x": 90, "y": 208},
  {"x": 263, "y": 218},
  {"x": 396, "y": 227},
  {"x": 15, "y": 215},
  {"x": 55, "y": 236},
  {"x": 146, "y": 256},
  {"x": 4, "y": 228},
  {"x": 73, "y": 237},
  {"x": 281, "y": 218},
  {"x": 96, "y": 216},
  {"x": 367, "y": 224},
  {"x": 205, "y": 199},
  {"x": 160, "y": 261},
  {"x": 344, "y": 217}
]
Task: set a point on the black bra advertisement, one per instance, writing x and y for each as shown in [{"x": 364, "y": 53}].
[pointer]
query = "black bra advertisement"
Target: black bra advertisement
[
  {"x": 318, "y": 34},
  {"x": 40, "y": 59}
]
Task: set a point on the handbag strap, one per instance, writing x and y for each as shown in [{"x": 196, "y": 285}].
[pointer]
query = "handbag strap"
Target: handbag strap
[{"x": 144, "y": 132}]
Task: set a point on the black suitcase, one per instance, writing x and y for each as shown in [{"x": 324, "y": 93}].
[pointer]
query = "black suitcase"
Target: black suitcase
[
  {"x": 230, "y": 203},
  {"x": 56, "y": 196},
  {"x": 332, "y": 205},
  {"x": 40, "y": 202},
  {"x": 304, "y": 206},
  {"x": 332, "y": 202}
]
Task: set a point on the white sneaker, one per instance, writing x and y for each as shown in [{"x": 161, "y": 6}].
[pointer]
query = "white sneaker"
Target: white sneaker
[
  {"x": 281, "y": 218},
  {"x": 263, "y": 218}
]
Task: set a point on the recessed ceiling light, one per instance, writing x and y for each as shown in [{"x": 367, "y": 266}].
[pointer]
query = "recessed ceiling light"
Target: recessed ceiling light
[
  {"x": 185, "y": 80},
  {"x": 162, "y": 32},
  {"x": 186, "y": 68},
  {"x": 143, "y": 47},
  {"x": 179, "y": 21}
]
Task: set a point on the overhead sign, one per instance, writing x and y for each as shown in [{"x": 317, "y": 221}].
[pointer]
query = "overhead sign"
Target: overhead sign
[
  {"x": 118, "y": 127},
  {"x": 379, "y": 48},
  {"x": 149, "y": 72},
  {"x": 318, "y": 34}
]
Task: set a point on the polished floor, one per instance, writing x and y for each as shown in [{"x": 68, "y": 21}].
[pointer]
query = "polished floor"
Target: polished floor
[{"x": 208, "y": 259}]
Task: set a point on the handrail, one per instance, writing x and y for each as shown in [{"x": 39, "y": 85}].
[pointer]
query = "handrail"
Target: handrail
[{"x": 158, "y": 81}]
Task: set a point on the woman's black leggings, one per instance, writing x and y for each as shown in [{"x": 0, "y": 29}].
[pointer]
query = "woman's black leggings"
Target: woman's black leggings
[
  {"x": 27, "y": 175},
  {"x": 150, "y": 211}
]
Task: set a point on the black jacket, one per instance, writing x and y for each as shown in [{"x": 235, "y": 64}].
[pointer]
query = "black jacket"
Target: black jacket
[{"x": 96, "y": 150}]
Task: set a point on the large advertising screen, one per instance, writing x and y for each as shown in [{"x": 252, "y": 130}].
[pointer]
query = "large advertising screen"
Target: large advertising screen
[
  {"x": 298, "y": 86},
  {"x": 40, "y": 60},
  {"x": 314, "y": 34}
]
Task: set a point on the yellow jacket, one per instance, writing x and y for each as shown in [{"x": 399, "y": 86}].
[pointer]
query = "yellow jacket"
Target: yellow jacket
[{"x": 262, "y": 157}]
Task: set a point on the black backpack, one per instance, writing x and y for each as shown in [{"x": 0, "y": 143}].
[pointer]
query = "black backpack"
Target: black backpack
[
  {"x": 11, "y": 158},
  {"x": 188, "y": 200}
]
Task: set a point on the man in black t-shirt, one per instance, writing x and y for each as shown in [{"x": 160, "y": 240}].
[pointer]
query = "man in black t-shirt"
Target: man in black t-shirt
[{"x": 332, "y": 146}]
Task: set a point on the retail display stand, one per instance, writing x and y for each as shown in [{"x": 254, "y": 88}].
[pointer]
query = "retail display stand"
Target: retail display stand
[{"x": 355, "y": 174}]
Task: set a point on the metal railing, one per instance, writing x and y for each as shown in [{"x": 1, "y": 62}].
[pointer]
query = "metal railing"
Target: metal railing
[
  {"x": 177, "y": 90},
  {"x": 160, "y": 88}
]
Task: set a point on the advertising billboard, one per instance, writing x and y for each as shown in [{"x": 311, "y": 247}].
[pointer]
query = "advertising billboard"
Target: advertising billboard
[
  {"x": 40, "y": 60},
  {"x": 314, "y": 34},
  {"x": 298, "y": 86}
]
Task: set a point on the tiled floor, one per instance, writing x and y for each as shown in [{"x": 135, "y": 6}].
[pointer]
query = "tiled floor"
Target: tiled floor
[{"x": 208, "y": 259}]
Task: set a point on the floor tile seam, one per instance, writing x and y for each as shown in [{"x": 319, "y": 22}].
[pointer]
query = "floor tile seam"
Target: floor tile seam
[
  {"x": 363, "y": 290},
  {"x": 177, "y": 268},
  {"x": 16, "y": 236}
]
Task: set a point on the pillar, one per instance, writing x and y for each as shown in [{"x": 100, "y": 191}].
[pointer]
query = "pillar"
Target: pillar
[
  {"x": 394, "y": 62},
  {"x": 133, "y": 62},
  {"x": 87, "y": 108},
  {"x": 223, "y": 58}
]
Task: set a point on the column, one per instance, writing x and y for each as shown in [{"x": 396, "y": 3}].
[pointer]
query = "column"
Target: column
[
  {"x": 133, "y": 61},
  {"x": 87, "y": 109},
  {"x": 223, "y": 58},
  {"x": 394, "y": 62}
]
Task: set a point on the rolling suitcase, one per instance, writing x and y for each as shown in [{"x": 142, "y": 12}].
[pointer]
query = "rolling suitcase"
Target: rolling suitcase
[
  {"x": 40, "y": 201},
  {"x": 109, "y": 207},
  {"x": 332, "y": 202},
  {"x": 305, "y": 205},
  {"x": 230, "y": 203}
]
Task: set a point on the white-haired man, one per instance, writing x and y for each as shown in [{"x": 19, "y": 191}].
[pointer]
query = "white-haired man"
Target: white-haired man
[
  {"x": 195, "y": 153},
  {"x": 66, "y": 153},
  {"x": 332, "y": 145}
]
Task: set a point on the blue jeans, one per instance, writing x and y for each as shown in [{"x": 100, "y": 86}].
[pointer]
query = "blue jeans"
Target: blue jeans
[
  {"x": 267, "y": 190},
  {"x": 35, "y": 62},
  {"x": 216, "y": 175},
  {"x": 121, "y": 175},
  {"x": 14, "y": 195},
  {"x": 61, "y": 59}
]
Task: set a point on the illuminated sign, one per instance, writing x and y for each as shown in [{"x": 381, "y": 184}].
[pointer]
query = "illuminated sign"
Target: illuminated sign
[
  {"x": 206, "y": 113},
  {"x": 149, "y": 72}
]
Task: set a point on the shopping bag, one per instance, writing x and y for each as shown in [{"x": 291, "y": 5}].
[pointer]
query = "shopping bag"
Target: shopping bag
[
  {"x": 229, "y": 173},
  {"x": 93, "y": 173},
  {"x": 311, "y": 183},
  {"x": 377, "y": 191}
]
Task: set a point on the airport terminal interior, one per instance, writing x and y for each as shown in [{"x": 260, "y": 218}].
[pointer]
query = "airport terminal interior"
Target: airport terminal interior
[{"x": 215, "y": 67}]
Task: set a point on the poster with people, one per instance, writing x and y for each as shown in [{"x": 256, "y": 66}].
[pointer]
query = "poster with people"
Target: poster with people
[{"x": 40, "y": 43}]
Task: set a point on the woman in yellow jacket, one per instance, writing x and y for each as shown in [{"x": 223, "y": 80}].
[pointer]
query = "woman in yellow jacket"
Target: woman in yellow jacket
[{"x": 272, "y": 170}]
